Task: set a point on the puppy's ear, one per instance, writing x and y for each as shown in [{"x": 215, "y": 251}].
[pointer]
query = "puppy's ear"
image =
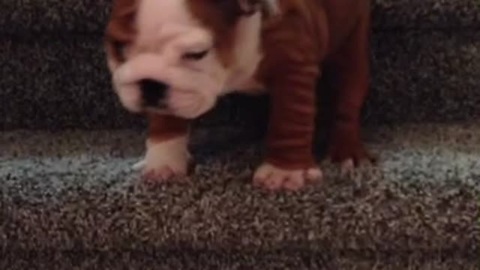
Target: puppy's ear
[{"x": 120, "y": 31}]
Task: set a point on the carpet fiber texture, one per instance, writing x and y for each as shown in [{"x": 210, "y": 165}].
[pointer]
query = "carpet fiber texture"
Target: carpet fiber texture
[{"x": 76, "y": 191}]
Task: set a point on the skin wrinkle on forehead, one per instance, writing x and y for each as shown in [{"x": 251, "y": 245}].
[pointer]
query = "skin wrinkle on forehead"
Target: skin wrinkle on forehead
[
  {"x": 153, "y": 13},
  {"x": 138, "y": 22},
  {"x": 210, "y": 16},
  {"x": 169, "y": 22}
]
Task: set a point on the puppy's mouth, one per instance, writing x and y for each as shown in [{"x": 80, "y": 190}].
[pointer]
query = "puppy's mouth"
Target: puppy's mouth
[
  {"x": 156, "y": 97},
  {"x": 154, "y": 94}
]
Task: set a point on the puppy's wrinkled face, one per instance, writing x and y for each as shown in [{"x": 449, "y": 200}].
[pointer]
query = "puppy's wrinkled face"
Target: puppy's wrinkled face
[{"x": 178, "y": 56}]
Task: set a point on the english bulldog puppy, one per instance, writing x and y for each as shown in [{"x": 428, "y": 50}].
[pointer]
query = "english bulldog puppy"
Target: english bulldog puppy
[{"x": 172, "y": 59}]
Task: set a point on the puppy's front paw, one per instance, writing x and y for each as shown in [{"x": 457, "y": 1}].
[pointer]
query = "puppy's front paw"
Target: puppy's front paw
[
  {"x": 274, "y": 178},
  {"x": 165, "y": 161},
  {"x": 347, "y": 149}
]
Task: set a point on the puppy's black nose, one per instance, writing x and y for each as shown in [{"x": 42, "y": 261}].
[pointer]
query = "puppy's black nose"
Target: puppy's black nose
[{"x": 153, "y": 92}]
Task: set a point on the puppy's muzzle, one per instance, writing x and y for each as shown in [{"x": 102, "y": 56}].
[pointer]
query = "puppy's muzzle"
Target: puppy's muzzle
[{"x": 154, "y": 93}]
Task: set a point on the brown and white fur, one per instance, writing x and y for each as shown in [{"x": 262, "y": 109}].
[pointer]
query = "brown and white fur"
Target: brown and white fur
[{"x": 199, "y": 50}]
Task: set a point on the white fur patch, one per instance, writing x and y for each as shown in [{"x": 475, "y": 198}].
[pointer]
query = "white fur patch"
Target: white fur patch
[
  {"x": 165, "y": 18},
  {"x": 172, "y": 154},
  {"x": 247, "y": 53}
]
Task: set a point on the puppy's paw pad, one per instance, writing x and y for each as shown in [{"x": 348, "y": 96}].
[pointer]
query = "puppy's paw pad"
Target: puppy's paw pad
[
  {"x": 162, "y": 174},
  {"x": 350, "y": 155},
  {"x": 273, "y": 178},
  {"x": 165, "y": 161}
]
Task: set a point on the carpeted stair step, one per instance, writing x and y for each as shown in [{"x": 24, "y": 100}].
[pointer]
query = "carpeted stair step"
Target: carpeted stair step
[
  {"x": 290, "y": 260},
  {"x": 53, "y": 76},
  {"x": 74, "y": 192}
]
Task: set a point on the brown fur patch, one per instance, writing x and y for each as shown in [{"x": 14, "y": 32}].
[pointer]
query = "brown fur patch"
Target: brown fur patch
[{"x": 120, "y": 30}]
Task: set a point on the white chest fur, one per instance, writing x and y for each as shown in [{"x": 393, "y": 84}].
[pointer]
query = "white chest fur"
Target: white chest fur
[{"x": 247, "y": 56}]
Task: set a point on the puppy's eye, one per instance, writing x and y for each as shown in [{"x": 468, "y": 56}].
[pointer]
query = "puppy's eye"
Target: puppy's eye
[{"x": 195, "y": 56}]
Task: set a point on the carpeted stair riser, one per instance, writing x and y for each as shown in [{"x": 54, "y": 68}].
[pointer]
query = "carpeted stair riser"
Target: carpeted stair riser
[
  {"x": 89, "y": 16},
  {"x": 60, "y": 81},
  {"x": 54, "y": 75}
]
